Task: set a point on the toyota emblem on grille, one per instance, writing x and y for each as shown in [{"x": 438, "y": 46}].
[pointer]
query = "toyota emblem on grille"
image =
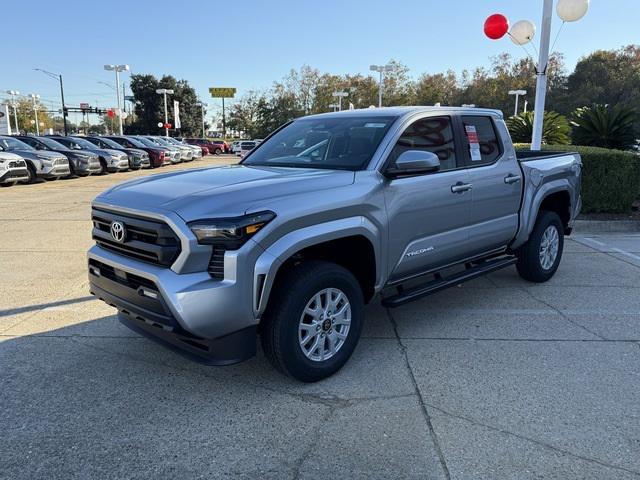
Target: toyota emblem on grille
[{"x": 117, "y": 231}]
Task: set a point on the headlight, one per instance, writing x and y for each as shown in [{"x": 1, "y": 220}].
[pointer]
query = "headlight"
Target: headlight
[
  {"x": 231, "y": 232},
  {"x": 45, "y": 158}
]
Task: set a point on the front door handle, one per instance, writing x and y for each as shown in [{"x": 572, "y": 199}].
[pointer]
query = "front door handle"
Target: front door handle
[
  {"x": 461, "y": 187},
  {"x": 511, "y": 178}
]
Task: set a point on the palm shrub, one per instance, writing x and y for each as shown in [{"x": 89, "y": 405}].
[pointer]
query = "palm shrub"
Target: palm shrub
[
  {"x": 604, "y": 126},
  {"x": 555, "y": 128}
]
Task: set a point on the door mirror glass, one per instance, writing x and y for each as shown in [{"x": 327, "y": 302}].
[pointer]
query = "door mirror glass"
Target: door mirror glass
[{"x": 413, "y": 162}]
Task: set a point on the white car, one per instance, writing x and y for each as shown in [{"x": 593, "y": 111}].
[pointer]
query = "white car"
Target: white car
[
  {"x": 13, "y": 169},
  {"x": 246, "y": 147}
]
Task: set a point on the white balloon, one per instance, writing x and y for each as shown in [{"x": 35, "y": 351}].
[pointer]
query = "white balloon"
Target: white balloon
[
  {"x": 572, "y": 10},
  {"x": 522, "y": 32}
]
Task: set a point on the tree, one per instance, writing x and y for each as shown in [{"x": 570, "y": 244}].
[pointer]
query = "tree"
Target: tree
[
  {"x": 604, "y": 126},
  {"x": 604, "y": 77},
  {"x": 440, "y": 88},
  {"x": 555, "y": 130},
  {"x": 26, "y": 116},
  {"x": 149, "y": 107}
]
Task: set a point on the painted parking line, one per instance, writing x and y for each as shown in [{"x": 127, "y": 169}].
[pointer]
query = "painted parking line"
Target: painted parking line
[{"x": 606, "y": 248}]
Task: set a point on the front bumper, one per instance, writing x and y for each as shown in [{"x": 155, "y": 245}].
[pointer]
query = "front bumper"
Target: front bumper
[
  {"x": 87, "y": 167},
  {"x": 11, "y": 175},
  {"x": 201, "y": 316},
  {"x": 118, "y": 164},
  {"x": 55, "y": 171}
]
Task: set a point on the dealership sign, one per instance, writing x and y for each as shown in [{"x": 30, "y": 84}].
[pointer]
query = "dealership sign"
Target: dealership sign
[{"x": 222, "y": 92}]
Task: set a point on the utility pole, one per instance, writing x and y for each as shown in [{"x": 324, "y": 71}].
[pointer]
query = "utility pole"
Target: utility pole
[
  {"x": 14, "y": 93},
  {"x": 201, "y": 104},
  {"x": 58, "y": 76},
  {"x": 541, "y": 81},
  {"x": 340, "y": 96},
  {"x": 382, "y": 69},
  {"x": 224, "y": 122},
  {"x": 34, "y": 97},
  {"x": 165, "y": 91},
  {"x": 118, "y": 69},
  {"x": 517, "y": 93}
]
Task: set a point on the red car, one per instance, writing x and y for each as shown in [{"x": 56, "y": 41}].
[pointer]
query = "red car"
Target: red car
[{"x": 215, "y": 147}]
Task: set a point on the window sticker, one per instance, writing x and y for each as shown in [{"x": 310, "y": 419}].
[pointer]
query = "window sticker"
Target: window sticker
[{"x": 474, "y": 143}]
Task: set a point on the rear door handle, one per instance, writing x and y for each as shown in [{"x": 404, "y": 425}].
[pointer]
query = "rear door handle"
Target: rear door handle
[
  {"x": 511, "y": 178},
  {"x": 461, "y": 187}
]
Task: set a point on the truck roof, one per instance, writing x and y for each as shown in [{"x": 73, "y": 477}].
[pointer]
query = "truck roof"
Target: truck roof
[{"x": 408, "y": 110}]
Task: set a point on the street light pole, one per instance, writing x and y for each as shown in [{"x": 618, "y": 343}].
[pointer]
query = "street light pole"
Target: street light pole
[
  {"x": 118, "y": 69},
  {"x": 14, "y": 93},
  {"x": 382, "y": 69},
  {"x": 517, "y": 93},
  {"x": 201, "y": 104},
  {"x": 165, "y": 91},
  {"x": 340, "y": 96},
  {"x": 541, "y": 81},
  {"x": 34, "y": 97},
  {"x": 64, "y": 108}
]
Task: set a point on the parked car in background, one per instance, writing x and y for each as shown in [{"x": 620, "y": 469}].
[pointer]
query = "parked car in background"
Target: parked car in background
[
  {"x": 111, "y": 160},
  {"x": 246, "y": 147},
  {"x": 195, "y": 150},
  {"x": 171, "y": 151},
  {"x": 137, "y": 158},
  {"x": 48, "y": 165},
  {"x": 235, "y": 147},
  {"x": 215, "y": 147},
  {"x": 81, "y": 163},
  {"x": 13, "y": 169},
  {"x": 156, "y": 154},
  {"x": 258, "y": 140},
  {"x": 186, "y": 154}
]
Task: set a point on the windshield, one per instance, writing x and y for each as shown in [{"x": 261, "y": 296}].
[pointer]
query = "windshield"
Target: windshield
[
  {"x": 10, "y": 144},
  {"x": 77, "y": 143},
  {"x": 146, "y": 142},
  {"x": 341, "y": 142},
  {"x": 128, "y": 142},
  {"x": 106, "y": 141},
  {"x": 52, "y": 144}
]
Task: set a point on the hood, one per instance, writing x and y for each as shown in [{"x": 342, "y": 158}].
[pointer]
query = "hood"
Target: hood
[
  {"x": 38, "y": 154},
  {"x": 107, "y": 152},
  {"x": 9, "y": 157},
  {"x": 220, "y": 191}
]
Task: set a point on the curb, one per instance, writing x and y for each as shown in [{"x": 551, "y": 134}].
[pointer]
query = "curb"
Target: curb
[{"x": 606, "y": 226}]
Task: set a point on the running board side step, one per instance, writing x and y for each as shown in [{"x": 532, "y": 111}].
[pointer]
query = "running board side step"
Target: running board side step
[{"x": 472, "y": 271}]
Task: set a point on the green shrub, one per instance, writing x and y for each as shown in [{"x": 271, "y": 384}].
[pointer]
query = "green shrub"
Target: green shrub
[
  {"x": 555, "y": 128},
  {"x": 604, "y": 126},
  {"x": 610, "y": 178}
]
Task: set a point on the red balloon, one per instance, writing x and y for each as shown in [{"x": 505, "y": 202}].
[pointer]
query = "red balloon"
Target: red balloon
[{"x": 496, "y": 26}]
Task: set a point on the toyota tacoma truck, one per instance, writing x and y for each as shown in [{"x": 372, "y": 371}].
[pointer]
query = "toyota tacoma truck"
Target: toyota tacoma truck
[{"x": 329, "y": 213}]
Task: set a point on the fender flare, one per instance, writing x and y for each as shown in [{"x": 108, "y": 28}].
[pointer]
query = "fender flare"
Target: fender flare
[
  {"x": 531, "y": 208},
  {"x": 270, "y": 261}
]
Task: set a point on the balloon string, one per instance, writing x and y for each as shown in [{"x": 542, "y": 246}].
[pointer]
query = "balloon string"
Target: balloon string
[
  {"x": 556, "y": 39},
  {"x": 523, "y": 47}
]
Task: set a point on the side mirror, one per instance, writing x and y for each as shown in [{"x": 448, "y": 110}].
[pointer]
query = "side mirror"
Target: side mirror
[{"x": 414, "y": 162}]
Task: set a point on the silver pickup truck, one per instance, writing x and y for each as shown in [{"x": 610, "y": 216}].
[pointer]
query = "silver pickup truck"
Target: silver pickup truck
[{"x": 330, "y": 212}]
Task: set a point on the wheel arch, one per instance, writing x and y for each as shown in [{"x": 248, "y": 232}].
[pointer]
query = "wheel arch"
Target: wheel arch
[{"x": 352, "y": 243}]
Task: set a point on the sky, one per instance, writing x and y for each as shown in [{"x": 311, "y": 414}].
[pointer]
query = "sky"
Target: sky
[{"x": 248, "y": 44}]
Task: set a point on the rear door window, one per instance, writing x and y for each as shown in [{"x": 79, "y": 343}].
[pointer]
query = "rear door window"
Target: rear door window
[{"x": 482, "y": 143}]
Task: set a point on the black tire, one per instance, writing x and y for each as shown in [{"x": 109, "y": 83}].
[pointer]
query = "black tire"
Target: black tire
[
  {"x": 217, "y": 151},
  {"x": 8, "y": 184},
  {"x": 279, "y": 327},
  {"x": 32, "y": 174},
  {"x": 103, "y": 167},
  {"x": 529, "y": 264}
]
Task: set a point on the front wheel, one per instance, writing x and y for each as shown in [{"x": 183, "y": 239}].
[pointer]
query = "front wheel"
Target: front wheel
[
  {"x": 538, "y": 259},
  {"x": 217, "y": 151},
  {"x": 313, "y": 321}
]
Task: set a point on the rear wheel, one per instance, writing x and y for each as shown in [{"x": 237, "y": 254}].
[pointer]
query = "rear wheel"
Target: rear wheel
[
  {"x": 539, "y": 258},
  {"x": 217, "y": 151},
  {"x": 313, "y": 321}
]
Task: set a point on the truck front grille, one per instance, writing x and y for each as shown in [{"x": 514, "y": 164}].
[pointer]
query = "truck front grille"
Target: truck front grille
[
  {"x": 216, "y": 264},
  {"x": 145, "y": 239}
]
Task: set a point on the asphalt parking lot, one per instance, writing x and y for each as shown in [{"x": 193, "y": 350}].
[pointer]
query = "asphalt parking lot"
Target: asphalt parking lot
[{"x": 495, "y": 379}]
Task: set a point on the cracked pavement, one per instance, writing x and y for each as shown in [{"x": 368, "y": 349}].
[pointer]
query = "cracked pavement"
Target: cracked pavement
[{"x": 494, "y": 379}]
